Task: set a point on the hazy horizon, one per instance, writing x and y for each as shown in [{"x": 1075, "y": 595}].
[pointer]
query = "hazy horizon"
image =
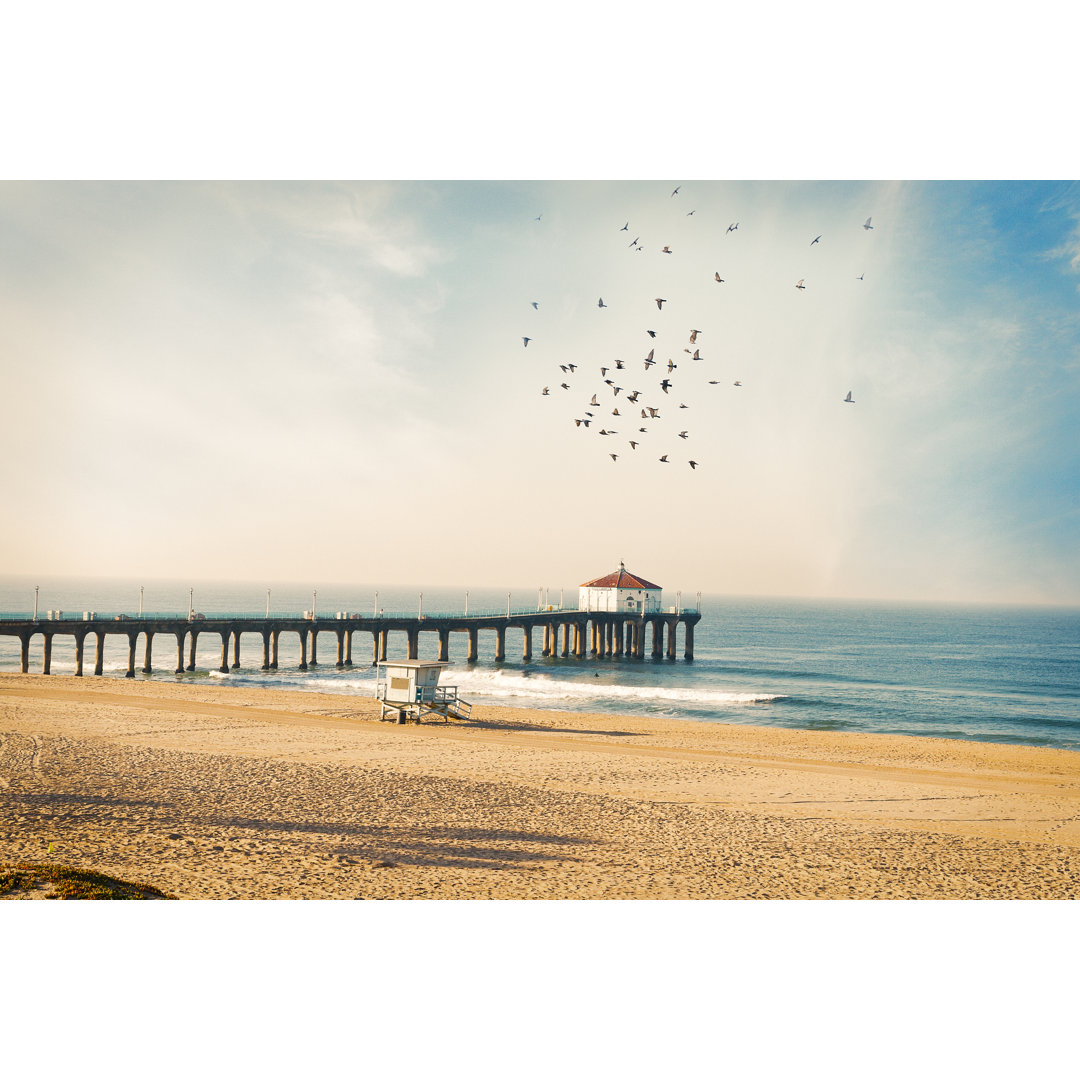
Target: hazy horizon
[{"x": 171, "y": 593}]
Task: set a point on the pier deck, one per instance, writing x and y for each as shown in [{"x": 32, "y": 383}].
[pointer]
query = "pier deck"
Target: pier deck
[{"x": 568, "y": 633}]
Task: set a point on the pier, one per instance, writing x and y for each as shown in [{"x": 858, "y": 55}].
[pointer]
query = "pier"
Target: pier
[{"x": 571, "y": 634}]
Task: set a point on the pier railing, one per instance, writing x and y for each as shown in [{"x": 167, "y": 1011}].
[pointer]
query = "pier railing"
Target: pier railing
[{"x": 148, "y": 616}]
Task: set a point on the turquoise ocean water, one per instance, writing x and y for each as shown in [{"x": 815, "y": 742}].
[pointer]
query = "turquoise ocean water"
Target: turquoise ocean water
[{"x": 997, "y": 674}]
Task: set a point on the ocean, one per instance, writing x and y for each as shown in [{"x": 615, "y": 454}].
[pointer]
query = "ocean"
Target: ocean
[{"x": 995, "y": 674}]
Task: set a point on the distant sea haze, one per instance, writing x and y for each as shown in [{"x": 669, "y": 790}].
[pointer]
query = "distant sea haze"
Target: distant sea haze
[{"x": 995, "y": 674}]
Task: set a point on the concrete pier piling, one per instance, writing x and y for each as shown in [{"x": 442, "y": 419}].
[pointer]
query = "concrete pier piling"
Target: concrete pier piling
[{"x": 565, "y": 635}]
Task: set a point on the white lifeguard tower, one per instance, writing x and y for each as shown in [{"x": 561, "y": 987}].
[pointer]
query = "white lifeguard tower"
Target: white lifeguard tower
[
  {"x": 410, "y": 689},
  {"x": 620, "y": 591}
]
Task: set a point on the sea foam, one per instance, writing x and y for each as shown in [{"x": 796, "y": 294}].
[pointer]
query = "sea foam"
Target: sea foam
[{"x": 507, "y": 685}]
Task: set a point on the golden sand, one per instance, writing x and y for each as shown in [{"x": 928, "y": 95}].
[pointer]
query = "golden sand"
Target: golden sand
[{"x": 224, "y": 792}]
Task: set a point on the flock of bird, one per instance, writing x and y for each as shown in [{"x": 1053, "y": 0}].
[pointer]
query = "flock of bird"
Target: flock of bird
[{"x": 635, "y": 409}]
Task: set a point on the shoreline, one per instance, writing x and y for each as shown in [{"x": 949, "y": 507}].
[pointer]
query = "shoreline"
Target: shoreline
[{"x": 214, "y": 791}]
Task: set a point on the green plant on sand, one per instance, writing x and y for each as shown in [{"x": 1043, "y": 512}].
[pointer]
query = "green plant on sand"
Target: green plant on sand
[{"x": 71, "y": 883}]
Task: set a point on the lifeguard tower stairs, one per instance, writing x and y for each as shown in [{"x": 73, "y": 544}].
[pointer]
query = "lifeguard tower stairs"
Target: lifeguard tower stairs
[{"x": 410, "y": 690}]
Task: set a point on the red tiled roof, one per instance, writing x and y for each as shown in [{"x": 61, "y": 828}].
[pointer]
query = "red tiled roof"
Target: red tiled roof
[{"x": 619, "y": 579}]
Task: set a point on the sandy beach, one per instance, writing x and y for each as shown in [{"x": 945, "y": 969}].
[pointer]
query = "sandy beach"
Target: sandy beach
[{"x": 214, "y": 792}]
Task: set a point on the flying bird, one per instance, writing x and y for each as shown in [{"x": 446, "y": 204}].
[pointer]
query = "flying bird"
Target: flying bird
[
  {"x": 693, "y": 336},
  {"x": 564, "y": 368},
  {"x": 860, "y": 277},
  {"x": 733, "y": 226},
  {"x": 671, "y": 366},
  {"x": 544, "y": 392},
  {"x": 625, "y": 227},
  {"x": 665, "y": 385},
  {"x": 594, "y": 401},
  {"x": 614, "y": 457},
  {"x": 691, "y": 213},
  {"x": 815, "y": 240},
  {"x": 526, "y": 340},
  {"x": 737, "y": 383},
  {"x": 654, "y": 414},
  {"x": 718, "y": 277},
  {"x": 614, "y": 412},
  {"x": 666, "y": 250},
  {"x": 565, "y": 386},
  {"x": 633, "y": 445},
  {"x": 714, "y": 382},
  {"x": 539, "y": 216},
  {"x": 849, "y": 399},
  {"x": 800, "y": 284},
  {"x": 683, "y": 435},
  {"x": 868, "y": 225},
  {"x": 660, "y": 303},
  {"x": 634, "y": 396},
  {"x": 605, "y": 432},
  {"x": 684, "y": 406},
  {"x": 676, "y": 191},
  {"x": 601, "y": 304},
  {"x": 664, "y": 459},
  {"x": 619, "y": 365},
  {"x": 634, "y": 241},
  {"x": 572, "y": 367},
  {"x": 604, "y": 371},
  {"x": 536, "y": 304},
  {"x": 651, "y": 333},
  {"x": 693, "y": 464}
]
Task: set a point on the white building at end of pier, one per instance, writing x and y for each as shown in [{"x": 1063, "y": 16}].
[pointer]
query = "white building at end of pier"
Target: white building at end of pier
[{"x": 620, "y": 591}]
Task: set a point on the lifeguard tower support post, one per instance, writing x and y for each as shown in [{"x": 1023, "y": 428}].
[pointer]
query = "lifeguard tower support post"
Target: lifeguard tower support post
[{"x": 410, "y": 688}]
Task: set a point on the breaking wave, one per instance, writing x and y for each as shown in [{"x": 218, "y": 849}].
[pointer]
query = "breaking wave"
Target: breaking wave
[{"x": 507, "y": 685}]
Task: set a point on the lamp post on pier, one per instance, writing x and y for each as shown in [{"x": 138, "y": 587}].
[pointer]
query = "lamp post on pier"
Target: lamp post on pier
[
  {"x": 268, "y": 603},
  {"x": 141, "y": 587},
  {"x": 36, "y": 587}
]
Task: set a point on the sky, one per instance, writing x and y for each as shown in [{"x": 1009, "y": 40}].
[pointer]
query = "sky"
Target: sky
[
  {"x": 312, "y": 378},
  {"x": 278, "y": 380}
]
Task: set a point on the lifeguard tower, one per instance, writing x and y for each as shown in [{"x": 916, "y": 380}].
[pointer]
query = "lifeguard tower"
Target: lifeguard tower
[{"x": 410, "y": 689}]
